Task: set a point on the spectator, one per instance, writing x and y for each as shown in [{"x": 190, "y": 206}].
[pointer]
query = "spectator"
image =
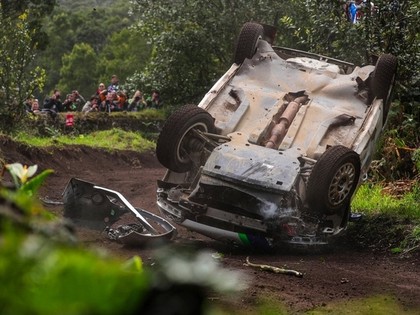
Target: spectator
[
  {"x": 122, "y": 100},
  {"x": 74, "y": 102},
  {"x": 28, "y": 104},
  {"x": 154, "y": 101},
  {"x": 114, "y": 86},
  {"x": 137, "y": 103},
  {"x": 92, "y": 105},
  {"x": 110, "y": 104},
  {"x": 355, "y": 9},
  {"x": 101, "y": 92},
  {"x": 53, "y": 103},
  {"x": 68, "y": 103},
  {"x": 35, "y": 106},
  {"x": 80, "y": 100}
]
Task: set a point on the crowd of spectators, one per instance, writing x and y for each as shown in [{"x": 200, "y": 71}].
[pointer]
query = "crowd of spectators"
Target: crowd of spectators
[{"x": 105, "y": 99}]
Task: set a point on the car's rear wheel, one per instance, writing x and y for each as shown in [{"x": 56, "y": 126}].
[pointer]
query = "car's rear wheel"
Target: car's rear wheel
[
  {"x": 383, "y": 78},
  {"x": 333, "y": 180},
  {"x": 177, "y": 141},
  {"x": 247, "y": 41}
]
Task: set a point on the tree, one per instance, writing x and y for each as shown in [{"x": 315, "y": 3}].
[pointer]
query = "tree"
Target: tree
[
  {"x": 125, "y": 52},
  {"x": 395, "y": 28},
  {"x": 20, "y": 39},
  {"x": 74, "y": 22},
  {"x": 193, "y": 41},
  {"x": 79, "y": 70}
]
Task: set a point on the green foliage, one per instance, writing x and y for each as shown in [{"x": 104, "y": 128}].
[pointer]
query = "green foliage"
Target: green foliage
[
  {"x": 398, "y": 218},
  {"x": 411, "y": 242},
  {"x": 18, "y": 44},
  {"x": 79, "y": 70},
  {"x": 125, "y": 52},
  {"x": 37, "y": 10},
  {"x": 43, "y": 277},
  {"x": 374, "y": 305},
  {"x": 20, "y": 173},
  {"x": 321, "y": 27},
  {"x": 81, "y": 5},
  {"x": 25, "y": 187},
  {"x": 21, "y": 36},
  {"x": 397, "y": 157},
  {"x": 416, "y": 159}
]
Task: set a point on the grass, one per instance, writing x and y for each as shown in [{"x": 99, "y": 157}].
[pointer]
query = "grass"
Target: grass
[
  {"x": 113, "y": 139},
  {"x": 397, "y": 217},
  {"x": 146, "y": 114},
  {"x": 373, "y": 305},
  {"x": 371, "y": 199}
]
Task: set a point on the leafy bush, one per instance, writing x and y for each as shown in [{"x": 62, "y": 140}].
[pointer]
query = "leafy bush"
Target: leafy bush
[
  {"x": 40, "y": 277},
  {"x": 18, "y": 80}
]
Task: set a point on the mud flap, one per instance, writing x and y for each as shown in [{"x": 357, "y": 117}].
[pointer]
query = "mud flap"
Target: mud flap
[{"x": 98, "y": 208}]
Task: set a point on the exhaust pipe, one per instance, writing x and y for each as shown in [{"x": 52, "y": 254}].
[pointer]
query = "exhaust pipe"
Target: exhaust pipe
[{"x": 280, "y": 129}]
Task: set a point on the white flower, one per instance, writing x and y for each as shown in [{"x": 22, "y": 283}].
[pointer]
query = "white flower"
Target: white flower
[{"x": 21, "y": 172}]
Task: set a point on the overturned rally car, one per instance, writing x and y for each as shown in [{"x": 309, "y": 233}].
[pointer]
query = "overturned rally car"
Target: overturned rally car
[{"x": 276, "y": 149}]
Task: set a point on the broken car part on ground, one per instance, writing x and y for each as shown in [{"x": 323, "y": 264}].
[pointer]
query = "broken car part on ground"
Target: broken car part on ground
[{"x": 99, "y": 208}]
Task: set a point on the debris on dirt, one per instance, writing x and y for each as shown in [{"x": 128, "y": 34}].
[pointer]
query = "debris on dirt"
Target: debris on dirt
[
  {"x": 99, "y": 207},
  {"x": 217, "y": 256},
  {"x": 124, "y": 230},
  {"x": 47, "y": 201},
  {"x": 274, "y": 269},
  {"x": 344, "y": 280}
]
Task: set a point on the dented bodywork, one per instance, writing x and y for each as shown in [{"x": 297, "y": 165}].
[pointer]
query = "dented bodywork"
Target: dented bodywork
[
  {"x": 248, "y": 177},
  {"x": 100, "y": 208}
]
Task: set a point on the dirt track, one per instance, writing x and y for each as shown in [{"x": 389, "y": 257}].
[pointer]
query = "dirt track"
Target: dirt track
[{"x": 340, "y": 275}]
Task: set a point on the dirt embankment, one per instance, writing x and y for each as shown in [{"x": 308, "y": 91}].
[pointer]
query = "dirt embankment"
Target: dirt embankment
[{"x": 341, "y": 274}]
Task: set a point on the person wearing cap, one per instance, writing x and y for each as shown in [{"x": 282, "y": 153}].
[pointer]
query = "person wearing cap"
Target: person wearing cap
[{"x": 114, "y": 86}]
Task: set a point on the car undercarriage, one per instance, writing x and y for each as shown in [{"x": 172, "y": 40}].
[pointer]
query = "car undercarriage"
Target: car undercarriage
[{"x": 276, "y": 149}]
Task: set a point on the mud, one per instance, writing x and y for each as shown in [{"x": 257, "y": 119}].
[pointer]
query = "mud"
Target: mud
[{"x": 342, "y": 273}]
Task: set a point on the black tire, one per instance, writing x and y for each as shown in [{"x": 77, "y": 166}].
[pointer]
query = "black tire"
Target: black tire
[
  {"x": 333, "y": 180},
  {"x": 246, "y": 44},
  {"x": 383, "y": 78},
  {"x": 174, "y": 142}
]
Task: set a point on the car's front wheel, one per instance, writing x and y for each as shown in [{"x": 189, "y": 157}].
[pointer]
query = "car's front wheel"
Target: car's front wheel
[
  {"x": 333, "y": 180},
  {"x": 178, "y": 142}
]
